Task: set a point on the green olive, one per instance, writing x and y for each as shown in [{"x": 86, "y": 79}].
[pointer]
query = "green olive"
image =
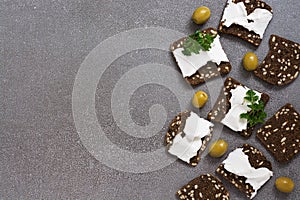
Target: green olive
[
  {"x": 250, "y": 61},
  {"x": 218, "y": 148},
  {"x": 199, "y": 99},
  {"x": 201, "y": 15},
  {"x": 284, "y": 184}
]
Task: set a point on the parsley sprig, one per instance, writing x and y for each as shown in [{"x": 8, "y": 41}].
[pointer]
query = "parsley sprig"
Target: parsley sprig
[
  {"x": 256, "y": 114},
  {"x": 197, "y": 42}
]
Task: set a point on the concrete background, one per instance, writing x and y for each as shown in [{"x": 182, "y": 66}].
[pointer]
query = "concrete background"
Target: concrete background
[{"x": 43, "y": 44}]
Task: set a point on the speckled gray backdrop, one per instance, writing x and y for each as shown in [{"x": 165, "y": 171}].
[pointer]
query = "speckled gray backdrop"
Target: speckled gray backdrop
[{"x": 43, "y": 44}]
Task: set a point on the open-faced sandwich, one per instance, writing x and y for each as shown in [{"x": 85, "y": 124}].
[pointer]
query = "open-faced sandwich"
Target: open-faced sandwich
[
  {"x": 239, "y": 107},
  {"x": 247, "y": 169},
  {"x": 246, "y": 19},
  {"x": 194, "y": 53},
  {"x": 188, "y": 136}
]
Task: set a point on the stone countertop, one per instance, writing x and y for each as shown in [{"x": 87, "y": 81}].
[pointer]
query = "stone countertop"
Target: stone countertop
[{"x": 47, "y": 149}]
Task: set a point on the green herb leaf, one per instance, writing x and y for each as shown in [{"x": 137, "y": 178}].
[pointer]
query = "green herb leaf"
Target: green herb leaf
[
  {"x": 244, "y": 115},
  {"x": 197, "y": 42},
  {"x": 256, "y": 114}
]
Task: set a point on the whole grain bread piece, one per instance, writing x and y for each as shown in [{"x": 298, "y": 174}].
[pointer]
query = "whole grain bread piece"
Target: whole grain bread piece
[
  {"x": 222, "y": 104},
  {"x": 256, "y": 159},
  {"x": 240, "y": 31},
  {"x": 205, "y": 186},
  {"x": 280, "y": 135},
  {"x": 208, "y": 71},
  {"x": 176, "y": 126},
  {"x": 281, "y": 66}
]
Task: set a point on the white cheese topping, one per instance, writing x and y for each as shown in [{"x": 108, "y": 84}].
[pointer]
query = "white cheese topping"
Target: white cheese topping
[
  {"x": 238, "y": 163},
  {"x": 185, "y": 145},
  {"x": 238, "y": 106},
  {"x": 190, "y": 64},
  {"x": 257, "y": 21}
]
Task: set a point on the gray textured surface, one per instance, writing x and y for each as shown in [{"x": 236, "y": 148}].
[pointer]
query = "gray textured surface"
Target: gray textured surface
[{"x": 43, "y": 44}]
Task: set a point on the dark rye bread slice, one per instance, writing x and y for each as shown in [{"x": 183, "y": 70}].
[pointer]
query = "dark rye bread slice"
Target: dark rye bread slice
[
  {"x": 206, "y": 72},
  {"x": 281, "y": 134},
  {"x": 205, "y": 186},
  {"x": 176, "y": 126},
  {"x": 222, "y": 104},
  {"x": 240, "y": 31},
  {"x": 256, "y": 159},
  {"x": 281, "y": 65}
]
